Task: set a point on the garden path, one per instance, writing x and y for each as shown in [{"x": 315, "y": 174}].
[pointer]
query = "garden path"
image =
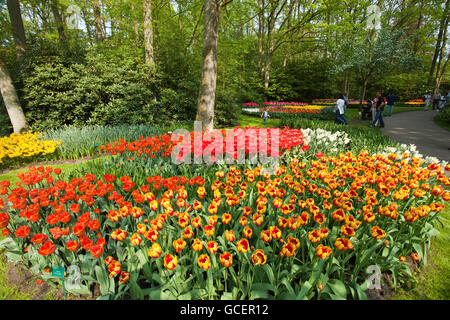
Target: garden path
[{"x": 418, "y": 127}]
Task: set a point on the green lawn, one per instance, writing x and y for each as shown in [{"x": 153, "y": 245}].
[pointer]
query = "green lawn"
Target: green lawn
[
  {"x": 256, "y": 121},
  {"x": 442, "y": 124},
  {"x": 434, "y": 278}
]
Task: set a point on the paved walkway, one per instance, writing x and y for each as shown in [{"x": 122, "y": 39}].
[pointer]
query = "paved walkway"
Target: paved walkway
[{"x": 418, "y": 127}]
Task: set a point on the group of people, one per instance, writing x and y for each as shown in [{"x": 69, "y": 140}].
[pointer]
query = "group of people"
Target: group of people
[
  {"x": 439, "y": 101},
  {"x": 375, "y": 107}
]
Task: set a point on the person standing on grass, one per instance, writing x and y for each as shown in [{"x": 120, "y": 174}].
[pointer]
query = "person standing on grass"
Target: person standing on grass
[
  {"x": 391, "y": 98},
  {"x": 427, "y": 100},
  {"x": 447, "y": 99},
  {"x": 436, "y": 99},
  {"x": 373, "y": 109},
  {"x": 346, "y": 103},
  {"x": 265, "y": 115},
  {"x": 381, "y": 102},
  {"x": 339, "y": 108},
  {"x": 442, "y": 103}
]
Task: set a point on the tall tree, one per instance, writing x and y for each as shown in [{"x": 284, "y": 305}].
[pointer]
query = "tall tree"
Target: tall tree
[
  {"x": 280, "y": 29},
  {"x": 443, "y": 25},
  {"x": 11, "y": 100},
  {"x": 261, "y": 21},
  {"x": 135, "y": 22},
  {"x": 98, "y": 20},
  {"x": 440, "y": 68},
  {"x": 148, "y": 32},
  {"x": 207, "y": 91},
  {"x": 18, "y": 30},
  {"x": 58, "y": 20}
]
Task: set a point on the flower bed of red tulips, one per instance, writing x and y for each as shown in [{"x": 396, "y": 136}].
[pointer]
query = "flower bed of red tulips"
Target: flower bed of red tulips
[
  {"x": 254, "y": 140},
  {"x": 310, "y": 230}
]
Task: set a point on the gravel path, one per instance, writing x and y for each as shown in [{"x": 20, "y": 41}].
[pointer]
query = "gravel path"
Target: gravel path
[{"x": 418, "y": 127}]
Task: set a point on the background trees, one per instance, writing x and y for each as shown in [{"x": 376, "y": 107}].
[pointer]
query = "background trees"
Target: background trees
[{"x": 99, "y": 71}]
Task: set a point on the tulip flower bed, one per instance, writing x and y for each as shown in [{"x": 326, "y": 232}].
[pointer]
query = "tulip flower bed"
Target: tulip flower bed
[
  {"x": 415, "y": 102},
  {"x": 141, "y": 227},
  {"x": 309, "y": 112},
  {"x": 333, "y": 101},
  {"x": 24, "y": 147},
  {"x": 273, "y": 104}
]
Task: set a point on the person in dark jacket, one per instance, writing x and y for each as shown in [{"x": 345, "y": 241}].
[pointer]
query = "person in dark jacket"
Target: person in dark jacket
[
  {"x": 381, "y": 102},
  {"x": 391, "y": 98},
  {"x": 436, "y": 99}
]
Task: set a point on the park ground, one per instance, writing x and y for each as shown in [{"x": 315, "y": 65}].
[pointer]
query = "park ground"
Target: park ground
[{"x": 431, "y": 280}]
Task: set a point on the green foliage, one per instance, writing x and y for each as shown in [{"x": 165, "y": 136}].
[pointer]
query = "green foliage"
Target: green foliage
[
  {"x": 104, "y": 91},
  {"x": 406, "y": 85},
  {"x": 443, "y": 117},
  {"x": 5, "y": 123},
  {"x": 302, "y": 80},
  {"x": 226, "y": 111}
]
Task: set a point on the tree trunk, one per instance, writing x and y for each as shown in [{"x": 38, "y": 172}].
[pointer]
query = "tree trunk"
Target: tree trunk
[
  {"x": 261, "y": 36},
  {"x": 442, "y": 49},
  {"x": 11, "y": 100},
  {"x": 98, "y": 20},
  {"x": 148, "y": 32},
  {"x": 207, "y": 91},
  {"x": 363, "y": 94},
  {"x": 135, "y": 22},
  {"x": 444, "y": 21},
  {"x": 58, "y": 20},
  {"x": 85, "y": 17},
  {"x": 419, "y": 24},
  {"x": 439, "y": 73},
  {"x": 268, "y": 64},
  {"x": 345, "y": 83},
  {"x": 18, "y": 30}
]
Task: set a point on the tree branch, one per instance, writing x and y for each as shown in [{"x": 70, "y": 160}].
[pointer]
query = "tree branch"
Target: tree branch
[{"x": 225, "y": 3}]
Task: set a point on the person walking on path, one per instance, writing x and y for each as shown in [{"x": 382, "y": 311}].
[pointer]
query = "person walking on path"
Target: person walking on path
[
  {"x": 391, "y": 98},
  {"x": 265, "y": 115},
  {"x": 339, "y": 109},
  {"x": 427, "y": 100},
  {"x": 436, "y": 99},
  {"x": 381, "y": 102}
]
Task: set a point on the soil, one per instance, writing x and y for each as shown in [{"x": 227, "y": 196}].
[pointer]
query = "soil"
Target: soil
[
  {"x": 387, "y": 283},
  {"x": 386, "y": 291},
  {"x": 25, "y": 282}
]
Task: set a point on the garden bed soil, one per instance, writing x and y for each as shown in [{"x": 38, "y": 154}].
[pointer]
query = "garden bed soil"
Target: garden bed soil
[
  {"x": 387, "y": 284},
  {"x": 25, "y": 282}
]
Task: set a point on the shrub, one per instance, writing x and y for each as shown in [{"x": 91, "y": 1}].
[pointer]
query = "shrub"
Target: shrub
[
  {"x": 444, "y": 116},
  {"x": 103, "y": 91}
]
